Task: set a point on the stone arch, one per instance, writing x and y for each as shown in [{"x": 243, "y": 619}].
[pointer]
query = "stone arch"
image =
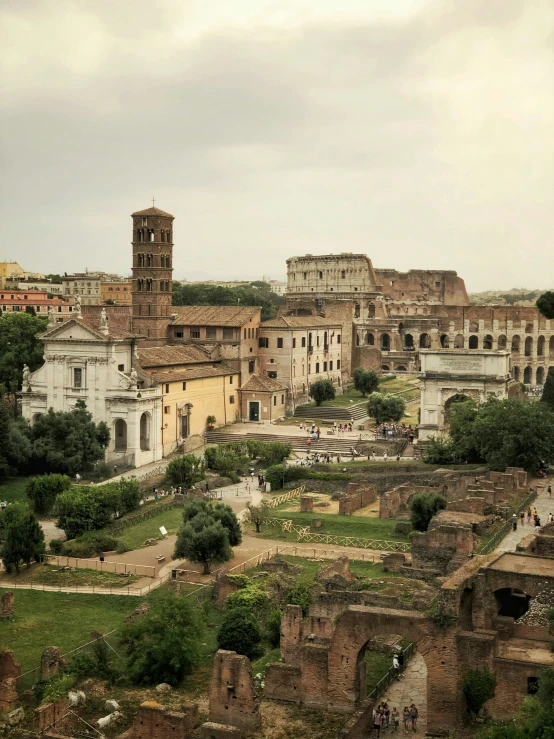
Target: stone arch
[
  {"x": 540, "y": 376},
  {"x": 487, "y": 342},
  {"x": 401, "y": 368},
  {"x": 385, "y": 342},
  {"x": 516, "y": 373},
  {"x": 473, "y": 327},
  {"x": 371, "y": 310},
  {"x": 528, "y": 328},
  {"x": 357, "y": 339},
  {"x": 120, "y": 435},
  {"x": 459, "y": 341},
  {"x": 473, "y": 342},
  {"x": 541, "y": 341},
  {"x": 551, "y": 346},
  {"x": 528, "y": 376},
  {"x": 409, "y": 341},
  {"x": 145, "y": 428},
  {"x": 385, "y": 368},
  {"x": 445, "y": 341},
  {"x": 36, "y": 417},
  {"x": 370, "y": 339},
  {"x": 424, "y": 341},
  {"x": 516, "y": 341},
  {"x": 456, "y": 398},
  {"x": 358, "y": 625},
  {"x": 529, "y": 346},
  {"x": 502, "y": 342}
]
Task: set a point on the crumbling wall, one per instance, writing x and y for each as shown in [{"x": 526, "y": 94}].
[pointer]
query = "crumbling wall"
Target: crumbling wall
[
  {"x": 233, "y": 699},
  {"x": 6, "y": 606},
  {"x": 9, "y": 673},
  {"x": 54, "y": 716},
  {"x": 357, "y": 496},
  {"x": 153, "y": 721}
]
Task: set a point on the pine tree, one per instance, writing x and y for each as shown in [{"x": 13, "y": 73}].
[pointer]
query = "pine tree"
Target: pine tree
[{"x": 548, "y": 390}]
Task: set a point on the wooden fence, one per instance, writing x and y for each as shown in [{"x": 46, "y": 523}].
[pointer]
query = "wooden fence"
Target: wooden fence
[
  {"x": 116, "y": 527},
  {"x": 119, "y": 568},
  {"x": 286, "y": 497}
]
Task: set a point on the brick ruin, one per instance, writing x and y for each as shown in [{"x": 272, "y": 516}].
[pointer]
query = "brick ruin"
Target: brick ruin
[
  {"x": 153, "y": 721},
  {"x": 9, "y": 673},
  {"x": 357, "y": 496},
  {"x": 6, "y": 606},
  {"x": 233, "y": 699}
]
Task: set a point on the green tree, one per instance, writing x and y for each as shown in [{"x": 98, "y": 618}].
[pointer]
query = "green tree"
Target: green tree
[
  {"x": 5, "y": 427},
  {"x": 321, "y": 390},
  {"x": 201, "y": 294},
  {"x": 203, "y": 540},
  {"x": 42, "y": 491},
  {"x": 478, "y": 687},
  {"x": 18, "y": 346},
  {"x": 229, "y": 460},
  {"x": 239, "y": 632},
  {"x": 439, "y": 451},
  {"x": 88, "y": 508},
  {"x": 185, "y": 470},
  {"x": 163, "y": 645},
  {"x": 386, "y": 408},
  {"x": 257, "y": 514},
  {"x": 23, "y": 538},
  {"x": 218, "y": 512},
  {"x": 546, "y": 304},
  {"x": 504, "y": 433},
  {"x": 423, "y": 507},
  {"x": 301, "y": 595},
  {"x": 365, "y": 381},
  {"x": 68, "y": 442},
  {"x": 548, "y": 389}
]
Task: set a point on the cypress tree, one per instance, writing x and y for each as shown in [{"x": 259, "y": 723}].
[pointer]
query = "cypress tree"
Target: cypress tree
[{"x": 548, "y": 390}]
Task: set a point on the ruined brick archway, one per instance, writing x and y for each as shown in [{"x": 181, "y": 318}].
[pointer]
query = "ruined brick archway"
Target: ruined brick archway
[{"x": 359, "y": 624}]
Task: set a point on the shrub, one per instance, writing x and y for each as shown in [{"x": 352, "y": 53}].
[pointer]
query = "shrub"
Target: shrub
[
  {"x": 423, "y": 507},
  {"x": 230, "y": 460},
  {"x": 56, "y": 546},
  {"x": 42, "y": 491},
  {"x": 239, "y": 632},
  {"x": 385, "y": 408},
  {"x": 49, "y": 691},
  {"x": 439, "y": 451},
  {"x": 365, "y": 381},
  {"x": 278, "y": 474},
  {"x": 90, "y": 545},
  {"x": 274, "y": 627},
  {"x": 251, "y": 598},
  {"x": 478, "y": 687},
  {"x": 441, "y": 618},
  {"x": 301, "y": 595},
  {"x": 322, "y": 390},
  {"x": 185, "y": 470}
]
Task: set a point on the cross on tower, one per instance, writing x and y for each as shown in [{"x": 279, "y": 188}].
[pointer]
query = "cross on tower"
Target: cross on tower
[{"x": 153, "y": 201}]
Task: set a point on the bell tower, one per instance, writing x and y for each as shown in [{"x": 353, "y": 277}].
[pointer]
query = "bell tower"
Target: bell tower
[{"x": 152, "y": 273}]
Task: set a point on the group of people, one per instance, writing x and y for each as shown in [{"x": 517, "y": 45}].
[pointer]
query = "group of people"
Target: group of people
[
  {"x": 396, "y": 430},
  {"x": 384, "y": 718}
]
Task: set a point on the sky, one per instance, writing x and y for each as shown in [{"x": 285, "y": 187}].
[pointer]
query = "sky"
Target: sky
[{"x": 419, "y": 132}]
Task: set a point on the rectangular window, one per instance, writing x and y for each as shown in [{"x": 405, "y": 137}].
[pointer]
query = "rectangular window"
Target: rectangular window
[
  {"x": 121, "y": 367},
  {"x": 294, "y": 343},
  {"x": 321, "y": 275},
  {"x": 231, "y": 399},
  {"x": 316, "y": 367},
  {"x": 263, "y": 342},
  {"x": 325, "y": 366},
  {"x": 274, "y": 400},
  {"x": 331, "y": 366},
  {"x": 282, "y": 400},
  {"x": 195, "y": 334},
  {"x": 167, "y": 410},
  {"x": 210, "y": 333},
  {"x": 338, "y": 364},
  {"x": 178, "y": 334},
  {"x": 231, "y": 380},
  {"x": 228, "y": 333},
  {"x": 303, "y": 341},
  {"x": 338, "y": 338},
  {"x": 279, "y": 343},
  {"x": 184, "y": 385},
  {"x": 309, "y": 369},
  {"x": 245, "y": 333},
  {"x": 251, "y": 366},
  {"x": 77, "y": 377},
  {"x": 167, "y": 387}
]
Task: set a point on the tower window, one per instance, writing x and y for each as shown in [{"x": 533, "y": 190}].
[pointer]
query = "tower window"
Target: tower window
[
  {"x": 77, "y": 377},
  {"x": 279, "y": 343},
  {"x": 321, "y": 275},
  {"x": 145, "y": 221},
  {"x": 343, "y": 274}
]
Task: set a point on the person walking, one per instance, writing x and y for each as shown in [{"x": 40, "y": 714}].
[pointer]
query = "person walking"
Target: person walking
[
  {"x": 414, "y": 715},
  {"x": 522, "y": 517},
  {"x": 401, "y": 661},
  {"x": 395, "y": 718},
  {"x": 396, "y": 667},
  {"x": 406, "y": 718},
  {"x": 514, "y": 522},
  {"x": 377, "y": 722},
  {"x": 550, "y": 491}
]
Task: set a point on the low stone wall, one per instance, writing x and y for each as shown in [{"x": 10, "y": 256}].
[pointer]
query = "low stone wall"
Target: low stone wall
[{"x": 357, "y": 496}]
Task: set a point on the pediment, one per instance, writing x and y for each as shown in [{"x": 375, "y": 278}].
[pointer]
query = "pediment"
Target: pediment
[{"x": 73, "y": 330}]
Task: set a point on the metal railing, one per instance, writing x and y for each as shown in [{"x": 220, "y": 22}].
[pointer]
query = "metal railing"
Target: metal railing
[
  {"x": 490, "y": 545},
  {"x": 389, "y": 677}
]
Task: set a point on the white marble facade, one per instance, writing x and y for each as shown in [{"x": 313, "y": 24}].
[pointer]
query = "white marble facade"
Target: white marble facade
[{"x": 84, "y": 363}]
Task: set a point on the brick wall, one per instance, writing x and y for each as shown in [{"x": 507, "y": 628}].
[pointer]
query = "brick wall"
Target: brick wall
[{"x": 233, "y": 698}]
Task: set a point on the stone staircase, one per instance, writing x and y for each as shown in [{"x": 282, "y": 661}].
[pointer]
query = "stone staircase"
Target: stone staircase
[
  {"x": 298, "y": 443},
  {"x": 334, "y": 413}
]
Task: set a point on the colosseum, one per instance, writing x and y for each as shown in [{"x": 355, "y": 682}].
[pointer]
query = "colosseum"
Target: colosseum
[{"x": 388, "y": 315}]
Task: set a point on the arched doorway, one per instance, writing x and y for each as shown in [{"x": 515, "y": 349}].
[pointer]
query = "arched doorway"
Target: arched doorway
[
  {"x": 527, "y": 376},
  {"x": 424, "y": 341},
  {"x": 401, "y": 368},
  {"x": 515, "y": 343},
  {"x": 540, "y": 346},
  {"x": 385, "y": 368},
  {"x": 528, "y": 346},
  {"x": 516, "y": 373},
  {"x": 445, "y": 341},
  {"x": 409, "y": 341},
  {"x": 385, "y": 342},
  {"x": 474, "y": 327},
  {"x": 473, "y": 342},
  {"x": 120, "y": 435},
  {"x": 369, "y": 339},
  {"x": 145, "y": 432},
  {"x": 540, "y": 376},
  {"x": 487, "y": 342},
  {"x": 458, "y": 398},
  {"x": 551, "y": 347},
  {"x": 502, "y": 342},
  {"x": 459, "y": 341}
]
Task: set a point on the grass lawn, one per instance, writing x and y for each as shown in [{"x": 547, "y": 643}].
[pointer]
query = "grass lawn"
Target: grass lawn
[
  {"x": 310, "y": 568},
  {"x": 135, "y": 536},
  {"x": 336, "y": 525},
  {"x": 64, "y": 620},
  {"x": 51, "y": 575},
  {"x": 14, "y": 489}
]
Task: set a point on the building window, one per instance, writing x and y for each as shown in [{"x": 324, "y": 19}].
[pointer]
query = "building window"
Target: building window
[
  {"x": 195, "y": 334},
  {"x": 184, "y": 385},
  {"x": 321, "y": 275},
  {"x": 231, "y": 380},
  {"x": 303, "y": 341},
  {"x": 305, "y": 275},
  {"x": 167, "y": 387},
  {"x": 210, "y": 333},
  {"x": 309, "y": 369},
  {"x": 279, "y": 343},
  {"x": 325, "y": 366},
  {"x": 274, "y": 400},
  {"x": 121, "y": 367},
  {"x": 294, "y": 343},
  {"x": 228, "y": 333},
  {"x": 338, "y": 364},
  {"x": 282, "y": 400},
  {"x": 263, "y": 342},
  {"x": 338, "y": 338},
  {"x": 317, "y": 368},
  {"x": 343, "y": 274},
  {"x": 245, "y": 333},
  {"x": 251, "y": 366},
  {"x": 77, "y": 377},
  {"x": 231, "y": 399},
  {"x": 271, "y": 361},
  {"x": 178, "y": 334},
  {"x": 167, "y": 410},
  {"x": 331, "y": 366}
]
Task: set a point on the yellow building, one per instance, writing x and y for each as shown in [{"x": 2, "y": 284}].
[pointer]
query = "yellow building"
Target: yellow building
[
  {"x": 193, "y": 387},
  {"x": 119, "y": 292}
]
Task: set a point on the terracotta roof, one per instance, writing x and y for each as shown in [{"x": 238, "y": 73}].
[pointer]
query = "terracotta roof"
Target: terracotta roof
[
  {"x": 113, "y": 333},
  {"x": 165, "y": 356},
  {"x": 299, "y": 322},
  {"x": 213, "y": 315},
  {"x": 193, "y": 373},
  {"x": 261, "y": 383},
  {"x": 152, "y": 212}
]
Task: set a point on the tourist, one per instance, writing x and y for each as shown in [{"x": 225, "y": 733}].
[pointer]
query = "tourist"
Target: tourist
[
  {"x": 514, "y": 522},
  {"x": 115, "y": 469},
  {"x": 529, "y": 515},
  {"x": 522, "y": 517},
  {"x": 395, "y": 718},
  {"x": 550, "y": 491},
  {"x": 537, "y": 522},
  {"x": 401, "y": 661},
  {"x": 550, "y": 518},
  {"x": 377, "y": 721},
  {"x": 396, "y": 667},
  {"x": 386, "y": 715},
  {"x": 414, "y": 715},
  {"x": 406, "y": 718},
  {"x": 385, "y": 457}
]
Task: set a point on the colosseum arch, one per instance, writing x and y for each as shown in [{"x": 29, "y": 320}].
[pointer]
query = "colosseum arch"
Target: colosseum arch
[
  {"x": 528, "y": 376},
  {"x": 370, "y": 339},
  {"x": 551, "y": 347},
  {"x": 473, "y": 342},
  {"x": 385, "y": 342},
  {"x": 515, "y": 343},
  {"x": 540, "y": 376},
  {"x": 424, "y": 341},
  {"x": 409, "y": 341},
  {"x": 540, "y": 346},
  {"x": 502, "y": 342},
  {"x": 529, "y": 346},
  {"x": 516, "y": 372},
  {"x": 445, "y": 341},
  {"x": 459, "y": 341},
  {"x": 487, "y": 342}
]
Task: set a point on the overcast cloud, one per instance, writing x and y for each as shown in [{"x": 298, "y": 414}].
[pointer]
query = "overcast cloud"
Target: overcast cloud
[{"x": 419, "y": 132}]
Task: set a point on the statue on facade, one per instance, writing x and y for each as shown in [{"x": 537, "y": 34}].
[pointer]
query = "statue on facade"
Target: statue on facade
[
  {"x": 103, "y": 319},
  {"x": 26, "y": 384},
  {"x": 51, "y": 320},
  {"x": 133, "y": 380},
  {"x": 78, "y": 306}
]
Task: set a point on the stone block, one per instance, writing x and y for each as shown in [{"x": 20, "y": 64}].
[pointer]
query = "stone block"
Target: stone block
[
  {"x": 233, "y": 698},
  {"x": 306, "y": 504},
  {"x": 393, "y": 561},
  {"x": 9, "y": 672},
  {"x": 50, "y": 662},
  {"x": 6, "y": 605},
  {"x": 316, "y": 523},
  {"x": 210, "y": 730}
]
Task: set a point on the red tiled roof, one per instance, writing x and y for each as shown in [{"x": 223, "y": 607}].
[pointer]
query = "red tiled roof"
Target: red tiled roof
[
  {"x": 165, "y": 356},
  {"x": 213, "y": 315},
  {"x": 152, "y": 212},
  {"x": 261, "y": 383},
  {"x": 192, "y": 373},
  {"x": 300, "y": 322}
]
